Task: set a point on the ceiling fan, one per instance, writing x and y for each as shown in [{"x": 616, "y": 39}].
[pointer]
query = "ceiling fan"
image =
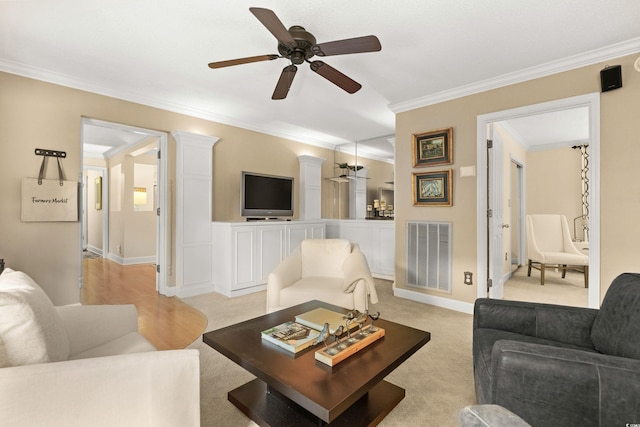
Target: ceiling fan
[{"x": 298, "y": 46}]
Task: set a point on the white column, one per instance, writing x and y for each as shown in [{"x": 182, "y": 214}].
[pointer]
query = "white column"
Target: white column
[
  {"x": 310, "y": 187},
  {"x": 194, "y": 243}
]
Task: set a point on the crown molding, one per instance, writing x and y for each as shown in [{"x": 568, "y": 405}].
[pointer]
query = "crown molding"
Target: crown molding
[
  {"x": 570, "y": 63},
  {"x": 48, "y": 76}
]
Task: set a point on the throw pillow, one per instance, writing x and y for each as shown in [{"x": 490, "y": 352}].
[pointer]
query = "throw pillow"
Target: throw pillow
[{"x": 30, "y": 327}]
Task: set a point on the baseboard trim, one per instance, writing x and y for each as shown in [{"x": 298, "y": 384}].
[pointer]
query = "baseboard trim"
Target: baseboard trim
[
  {"x": 463, "y": 307},
  {"x": 239, "y": 292},
  {"x": 140, "y": 260},
  {"x": 131, "y": 261},
  {"x": 94, "y": 250}
]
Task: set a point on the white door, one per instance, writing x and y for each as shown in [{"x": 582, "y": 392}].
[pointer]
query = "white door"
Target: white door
[{"x": 495, "y": 222}]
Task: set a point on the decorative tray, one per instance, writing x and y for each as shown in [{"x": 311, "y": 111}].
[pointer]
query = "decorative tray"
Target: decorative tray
[{"x": 349, "y": 345}]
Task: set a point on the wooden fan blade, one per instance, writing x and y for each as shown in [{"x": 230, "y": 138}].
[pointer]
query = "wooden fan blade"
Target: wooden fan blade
[
  {"x": 269, "y": 19},
  {"x": 239, "y": 61},
  {"x": 284, "y": 82},
  {"x": 341, "y": 47},
  {"x": 335, "y": 77}
]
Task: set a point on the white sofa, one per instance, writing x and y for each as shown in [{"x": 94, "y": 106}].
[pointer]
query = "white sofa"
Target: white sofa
[
  {"x": 87, "y": 365},
  {"x": 329, "y": 270}
]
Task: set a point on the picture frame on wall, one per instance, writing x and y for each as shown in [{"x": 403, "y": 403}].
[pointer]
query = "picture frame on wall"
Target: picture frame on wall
[
  {"x": 98, "y": 187},
  {"x": 433, "y": 148},
  {"x": 432, "y": 188}
]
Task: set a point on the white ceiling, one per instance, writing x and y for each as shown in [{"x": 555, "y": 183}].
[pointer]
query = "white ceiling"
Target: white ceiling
[
  {"x": 156, "y": 52},
  {"x": 549, "y": 130}
]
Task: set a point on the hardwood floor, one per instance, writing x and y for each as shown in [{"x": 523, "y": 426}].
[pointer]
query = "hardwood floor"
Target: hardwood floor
[{"x": 167, "y": 322}]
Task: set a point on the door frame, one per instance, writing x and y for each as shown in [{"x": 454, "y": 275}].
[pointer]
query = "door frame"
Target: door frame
[
  {"x": 520, "y": 230},
  {"x": 162, "y": 223},
  {"x": 592, "y": 101}
]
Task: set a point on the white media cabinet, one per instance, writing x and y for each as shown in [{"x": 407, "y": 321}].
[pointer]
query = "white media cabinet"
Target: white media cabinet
[
  {"x": 376, "y": 239},
  {"x": 244, "y": 253}
]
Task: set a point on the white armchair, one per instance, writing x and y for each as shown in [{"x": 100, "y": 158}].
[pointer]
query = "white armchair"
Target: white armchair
[
  {"x": 549, "y": 244},
  {"x": 87, "y": 365},
  {"x": 329, "y": 270}
]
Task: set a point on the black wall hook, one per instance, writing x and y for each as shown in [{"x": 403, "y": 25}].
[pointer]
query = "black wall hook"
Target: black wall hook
[{"x": 51, "y": 153}]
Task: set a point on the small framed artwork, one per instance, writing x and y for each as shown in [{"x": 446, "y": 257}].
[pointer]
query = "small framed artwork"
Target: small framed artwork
[
  {"x": 98, "y": 183},
  {"x": 432, "y": 188},
  {"x": 433, "y": 148}
]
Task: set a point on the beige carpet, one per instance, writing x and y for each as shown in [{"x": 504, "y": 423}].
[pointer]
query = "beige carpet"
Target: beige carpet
[
  {"x": 556, "y": 290},
  {"x": 438, "y": 378}
]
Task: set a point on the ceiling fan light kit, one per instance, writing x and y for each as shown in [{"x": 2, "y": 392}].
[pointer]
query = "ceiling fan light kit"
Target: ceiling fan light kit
[{"x": 298, "y": 46}]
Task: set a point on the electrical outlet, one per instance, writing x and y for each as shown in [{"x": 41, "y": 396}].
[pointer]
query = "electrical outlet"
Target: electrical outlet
[{"x": 468, "y": 278}]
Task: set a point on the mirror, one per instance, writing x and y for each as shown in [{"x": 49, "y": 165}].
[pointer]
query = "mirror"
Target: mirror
[{"x": 355, "y": 190}]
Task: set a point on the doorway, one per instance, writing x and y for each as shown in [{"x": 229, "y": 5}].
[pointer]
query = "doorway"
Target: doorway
[
  {"x": 130, "y": 190},
  {"x": 491, "y": 243}
]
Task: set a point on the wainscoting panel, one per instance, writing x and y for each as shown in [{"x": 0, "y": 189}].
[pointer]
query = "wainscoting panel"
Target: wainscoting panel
[{"x": 194, "y": 244}]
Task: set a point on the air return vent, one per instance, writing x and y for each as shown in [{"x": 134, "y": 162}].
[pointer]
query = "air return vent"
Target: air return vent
[{"x": 429, "y": 255}]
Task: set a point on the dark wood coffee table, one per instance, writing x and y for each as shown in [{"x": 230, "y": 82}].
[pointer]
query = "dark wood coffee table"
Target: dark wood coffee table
[{"x": 296, "y": 390}]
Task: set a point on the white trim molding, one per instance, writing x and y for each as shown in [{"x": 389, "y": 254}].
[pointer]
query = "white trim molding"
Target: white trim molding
[
  {"x": 194, "y": 243},
  {"x": 628, "y": 47},
  {"x": 448, "y": 303}
]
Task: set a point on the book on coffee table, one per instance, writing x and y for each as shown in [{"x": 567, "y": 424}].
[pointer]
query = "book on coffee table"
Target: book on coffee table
[
  {"x": 318, "y": 317},
  {"x": 291, "y": 336}
]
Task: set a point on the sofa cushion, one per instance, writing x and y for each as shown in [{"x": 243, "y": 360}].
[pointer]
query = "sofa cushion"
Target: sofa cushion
[
  {"x": 132, "y": 342},
  {"x": 325, "y": 289},
  {"x": 30, "y": 327},
  {"x": 617, "y": 326},
  {"x": 324, "y": 257},
  {"x": 483, "y": 344}
]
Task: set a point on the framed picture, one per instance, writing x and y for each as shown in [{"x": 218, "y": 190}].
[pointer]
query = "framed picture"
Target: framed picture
[
  {"x": 432, "y": 188},
  {"x": 98, "y": 183},
  {"x": 433, "y": 148}
]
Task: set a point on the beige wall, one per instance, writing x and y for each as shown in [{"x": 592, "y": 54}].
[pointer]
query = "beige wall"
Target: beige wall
[
  {"x": 620, "y": 179},
  {"x": 35, "y": 114},
  {"x": 553, "y": 183}
]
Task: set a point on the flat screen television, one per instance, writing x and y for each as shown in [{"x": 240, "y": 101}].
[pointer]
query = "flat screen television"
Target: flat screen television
[{"x": 266, "y": 196}]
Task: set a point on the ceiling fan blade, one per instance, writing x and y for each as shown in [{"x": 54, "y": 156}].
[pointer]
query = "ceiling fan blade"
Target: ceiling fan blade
[
  {"x": 341, "y": 47},
  {"x": 335, "y": 76},
  {"x": 239, "y": 61},
  {"x": 284, "y": 82},
  {"x": 269, "y": 19}
]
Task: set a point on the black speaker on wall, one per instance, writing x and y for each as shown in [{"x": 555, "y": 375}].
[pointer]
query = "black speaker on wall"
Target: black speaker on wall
[{"x": 611, "y": 78}]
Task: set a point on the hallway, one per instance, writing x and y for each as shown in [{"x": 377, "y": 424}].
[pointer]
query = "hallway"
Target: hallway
[{"x": 166, "y": 322}]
